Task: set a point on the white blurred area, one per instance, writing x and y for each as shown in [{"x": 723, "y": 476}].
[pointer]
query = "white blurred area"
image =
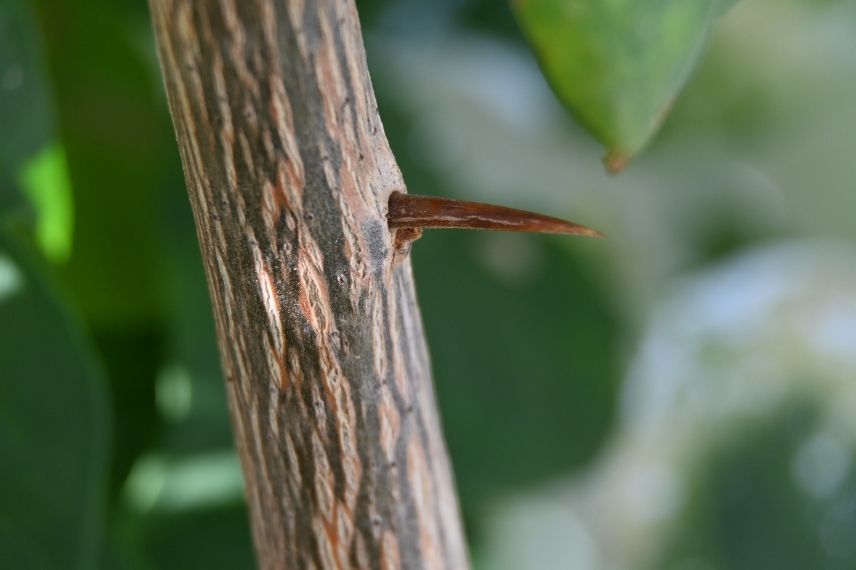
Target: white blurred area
[
  {"x": 731, "y": 346},
  {"x": 719, "y": 347}
]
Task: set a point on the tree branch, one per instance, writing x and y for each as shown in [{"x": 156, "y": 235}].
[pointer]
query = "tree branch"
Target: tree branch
[{"x": 289, "y": 174}]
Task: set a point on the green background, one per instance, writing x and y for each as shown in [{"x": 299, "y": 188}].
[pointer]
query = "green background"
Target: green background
[{"x": 676, "y": 395}]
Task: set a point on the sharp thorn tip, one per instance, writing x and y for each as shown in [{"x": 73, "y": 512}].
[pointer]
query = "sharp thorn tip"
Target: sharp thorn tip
[{"x": 422, "y": 212}]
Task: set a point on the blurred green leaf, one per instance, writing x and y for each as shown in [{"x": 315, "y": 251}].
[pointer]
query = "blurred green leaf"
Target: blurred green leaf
[
  {"x": 532, "y": 398},
  {"x": 131, "y": 359},
  {"x": 25, "y": 112},
  {"x": 118, "y": 143},
  {"x": 54, "y": 428},
  {"x": 116, "y": 135},
  {"x": 203, "y": 426},
  {"x": 45, "y": 181},
  {"x": 617, "y": 64},
  {"x": 747, "y": 497},
  {"x": 213, "y": 538}
]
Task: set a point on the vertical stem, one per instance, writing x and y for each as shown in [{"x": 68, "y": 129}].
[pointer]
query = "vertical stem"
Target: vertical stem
[{"x": 289, "y": 173}]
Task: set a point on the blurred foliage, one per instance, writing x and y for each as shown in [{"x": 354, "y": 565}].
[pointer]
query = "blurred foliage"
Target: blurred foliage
[
  {"x": 45, "y": 182},
  {"x": 25, "y": 112},
  {"x": 756, "y": 512},
  {"x": 515, "y": 338},
  {"x": 117, "y": 139},
  {"x": 113, "y": 410},
  {"x": 54, "y": 425}
]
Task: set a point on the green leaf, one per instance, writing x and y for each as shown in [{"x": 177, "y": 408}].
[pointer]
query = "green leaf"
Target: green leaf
[
  {"x": 54, "y": 428},
  {"x": 45, "y": 181},
  {"x": 618, "y": 64}
]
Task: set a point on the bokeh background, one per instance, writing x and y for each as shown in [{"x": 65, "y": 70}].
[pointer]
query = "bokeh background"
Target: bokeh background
[{"x": 679, "y": 395}]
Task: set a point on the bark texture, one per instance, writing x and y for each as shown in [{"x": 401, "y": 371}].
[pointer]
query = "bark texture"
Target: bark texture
[{"x": 289, "y": 174}]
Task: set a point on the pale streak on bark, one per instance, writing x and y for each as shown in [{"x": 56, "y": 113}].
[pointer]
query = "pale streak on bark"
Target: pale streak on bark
[{"x": 289, "y": 174}]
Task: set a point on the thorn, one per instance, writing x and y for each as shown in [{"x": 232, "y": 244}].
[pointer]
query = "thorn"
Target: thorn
[{"x": 407, "y": 211}]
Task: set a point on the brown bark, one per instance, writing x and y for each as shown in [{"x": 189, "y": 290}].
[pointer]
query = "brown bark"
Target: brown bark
[{"x": 289, "y": 174}]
